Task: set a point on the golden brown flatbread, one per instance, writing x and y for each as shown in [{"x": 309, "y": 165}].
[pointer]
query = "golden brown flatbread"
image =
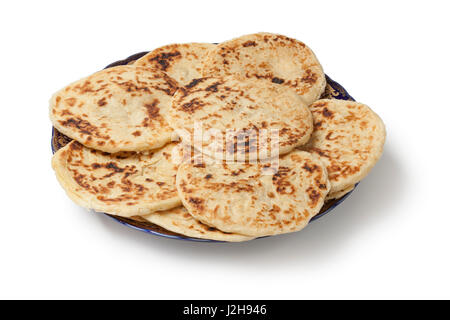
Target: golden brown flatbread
[
  {"x": 241, "y": 118},
  {"x": 116, "y": 109},
  {"x": 182, "y": 62},
  {"x": 269, "y": 57},
  {"x": 242, "y": 198},
  {"x": 348, "y": 138},
  {"x": 123, "y": 184}
]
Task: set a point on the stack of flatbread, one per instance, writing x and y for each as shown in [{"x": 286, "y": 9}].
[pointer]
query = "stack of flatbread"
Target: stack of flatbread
[{"x": 225, "y": 142}]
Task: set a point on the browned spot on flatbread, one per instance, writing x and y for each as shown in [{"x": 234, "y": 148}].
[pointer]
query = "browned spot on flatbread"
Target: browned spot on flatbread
[
  {"x": 327, "y": 113},
  {"x": 192, "y": 105},
  {"x": 281, "y": 181},
  {"x": 70, "y": 101},
  {"x": 199, "y": 165},
  {"x": 196, "y": 202},
  {"x": 152, "y": 109},
  {"x": 311, "y": 168},
  {"x": 310, "y": 77},
  {"x": 83, "y": 126},
  {"x": 249, "y": 44},
  {"x": 313, "y": 195},
  {"x": 194, "y": 82},
  {"x": 275, "y": 208},
  {"x": 213, "y": 87},
  {"x": 102, "y": 102},
  {"x": 166, "y": 58},
  {"x": 277, "y": 80},
  {"x": 66, "y": 112},
  {"x": 328, "y": 136},
  {"x": 317, "y": 124}
]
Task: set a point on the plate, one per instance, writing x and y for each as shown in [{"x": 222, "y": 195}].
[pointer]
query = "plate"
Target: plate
[{"x": 333, "y": 90}]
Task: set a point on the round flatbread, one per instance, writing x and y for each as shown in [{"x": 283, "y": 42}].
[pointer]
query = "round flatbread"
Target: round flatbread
[
  {"x": 348, "y": 137},
  {"x": 117, "y": 109},
  {"x": 179, "y": 220},
  {"x": 123, "y": 184},
  {"x": 243, "y": 198},
  {"x": 270, "y": 57},
  {"x": 182, "y": 62},
  {"x": 240, "y": 117}
]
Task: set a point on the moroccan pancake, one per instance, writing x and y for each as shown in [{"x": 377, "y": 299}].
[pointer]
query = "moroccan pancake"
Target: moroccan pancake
[
  {"x": 246, "y": 199},
  {"x": 180, "y": 221},
  {"x": 240, "y": 117},
  {"x": 182, "y": 62},
  {"x": 124, "y": 184},
  {"x": 269, "y": 57},
  {"x": 348, "y": 137},
  {"x": 116, "y": 109}
]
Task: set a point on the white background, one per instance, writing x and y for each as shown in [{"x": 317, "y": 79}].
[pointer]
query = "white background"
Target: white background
[{"x": 390, "y": 239}]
